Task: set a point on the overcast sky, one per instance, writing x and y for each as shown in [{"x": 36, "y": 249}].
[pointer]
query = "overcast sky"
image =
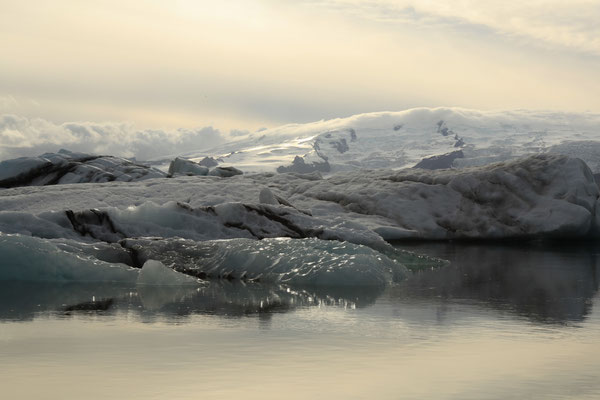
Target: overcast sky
[{"x": 260, "y": 63}]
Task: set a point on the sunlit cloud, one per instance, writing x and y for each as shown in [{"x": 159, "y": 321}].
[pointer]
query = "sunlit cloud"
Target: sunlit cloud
[
  {"x": 248, "y": 64},
  {"x": 568, "y": 24}
]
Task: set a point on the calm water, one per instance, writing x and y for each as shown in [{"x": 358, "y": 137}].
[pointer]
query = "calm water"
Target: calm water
[{"x": 501, "y": 322}]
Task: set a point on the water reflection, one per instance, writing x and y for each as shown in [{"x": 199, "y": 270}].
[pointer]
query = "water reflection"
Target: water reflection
[
  {"x": 544, "y": 282},
  {"x": 24, "y": 301},
  {"x": 541, "y": 282},
  {"x": 484, "y": 327}
]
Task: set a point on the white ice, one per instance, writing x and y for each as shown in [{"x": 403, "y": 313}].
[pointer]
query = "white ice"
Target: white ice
[{"x": 181, "y": 166}]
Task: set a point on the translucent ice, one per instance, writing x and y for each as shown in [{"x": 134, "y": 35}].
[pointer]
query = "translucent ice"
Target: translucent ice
[
  {"x": 26, "y": 258},
  {"x": 156, "y": 273},
  {"x": 312, "y": 262}
]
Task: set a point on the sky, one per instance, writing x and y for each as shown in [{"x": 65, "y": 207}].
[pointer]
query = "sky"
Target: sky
[{"x": 188, "y": 65}]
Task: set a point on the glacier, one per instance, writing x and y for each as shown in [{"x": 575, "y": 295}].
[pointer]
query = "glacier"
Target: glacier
[
  {"x": 545, "y": 195},
  {"x": 463, "y": 137},
  {"x": 444, "y": 137},
  {"x": 312, "y": 204}
]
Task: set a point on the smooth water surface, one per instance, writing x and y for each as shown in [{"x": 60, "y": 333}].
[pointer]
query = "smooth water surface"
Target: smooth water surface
[{"x": 501, "y": 322}]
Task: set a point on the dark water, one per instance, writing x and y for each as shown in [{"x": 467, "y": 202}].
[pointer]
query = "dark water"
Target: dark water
[{"x": 502, "y": 321}]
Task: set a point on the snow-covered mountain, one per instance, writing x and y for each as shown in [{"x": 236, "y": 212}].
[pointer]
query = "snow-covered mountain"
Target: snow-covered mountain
[
  {"x": 423, "y": 138},
  {"x": 447, "y": 137}
]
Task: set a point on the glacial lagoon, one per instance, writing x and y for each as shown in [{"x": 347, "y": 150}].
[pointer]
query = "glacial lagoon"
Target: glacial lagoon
[{"x": 502, "y": 321}]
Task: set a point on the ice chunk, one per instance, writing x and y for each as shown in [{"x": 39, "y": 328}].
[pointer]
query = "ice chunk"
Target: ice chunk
[
  {"x": 26, "y": 258},
  {"x": 208, "y": 162},
  {"x": 186, "y": 167},
  {"x": 156, "y": 273},
  {"x": 441, "y": 161},
  {"x": 20, "y": 166},
  {"x": 301, "y": 167},
  {"x": 225, "y": 172},
  {"x": 267, "y": 197},
  {"x": 66, "y": 167}
]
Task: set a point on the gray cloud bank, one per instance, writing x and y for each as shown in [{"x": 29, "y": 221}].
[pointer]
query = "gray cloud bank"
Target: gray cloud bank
[{"x": 22, "y": 136}]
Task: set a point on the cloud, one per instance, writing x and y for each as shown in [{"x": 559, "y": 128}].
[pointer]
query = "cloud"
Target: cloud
[
  {"x": 22, "y": 136},
  {"x": 556, "y": 23},
  {"x": 244, "y": 64},
  {"x": 8, "y": 102}
]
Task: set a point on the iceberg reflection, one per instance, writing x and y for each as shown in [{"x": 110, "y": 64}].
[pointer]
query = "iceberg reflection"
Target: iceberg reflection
[
  {"x": 541, "y": 283},
  {"x": 27, "y": 300},
  {"x": 544, "y": 282}
]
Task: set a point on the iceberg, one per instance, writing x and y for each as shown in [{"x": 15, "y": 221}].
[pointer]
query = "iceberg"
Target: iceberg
[
  {"x": 545, "y": 195},
  {"x": 155, "y": 273},
  {"x": 286, "y": 228},
  {"x": 298, "y": 262},
  {"x": 186, "y": 167},
  {"x": 26, "y": 258},
  {"x": 68, "y": 167},
  {"x": 225, "y": 172}
]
